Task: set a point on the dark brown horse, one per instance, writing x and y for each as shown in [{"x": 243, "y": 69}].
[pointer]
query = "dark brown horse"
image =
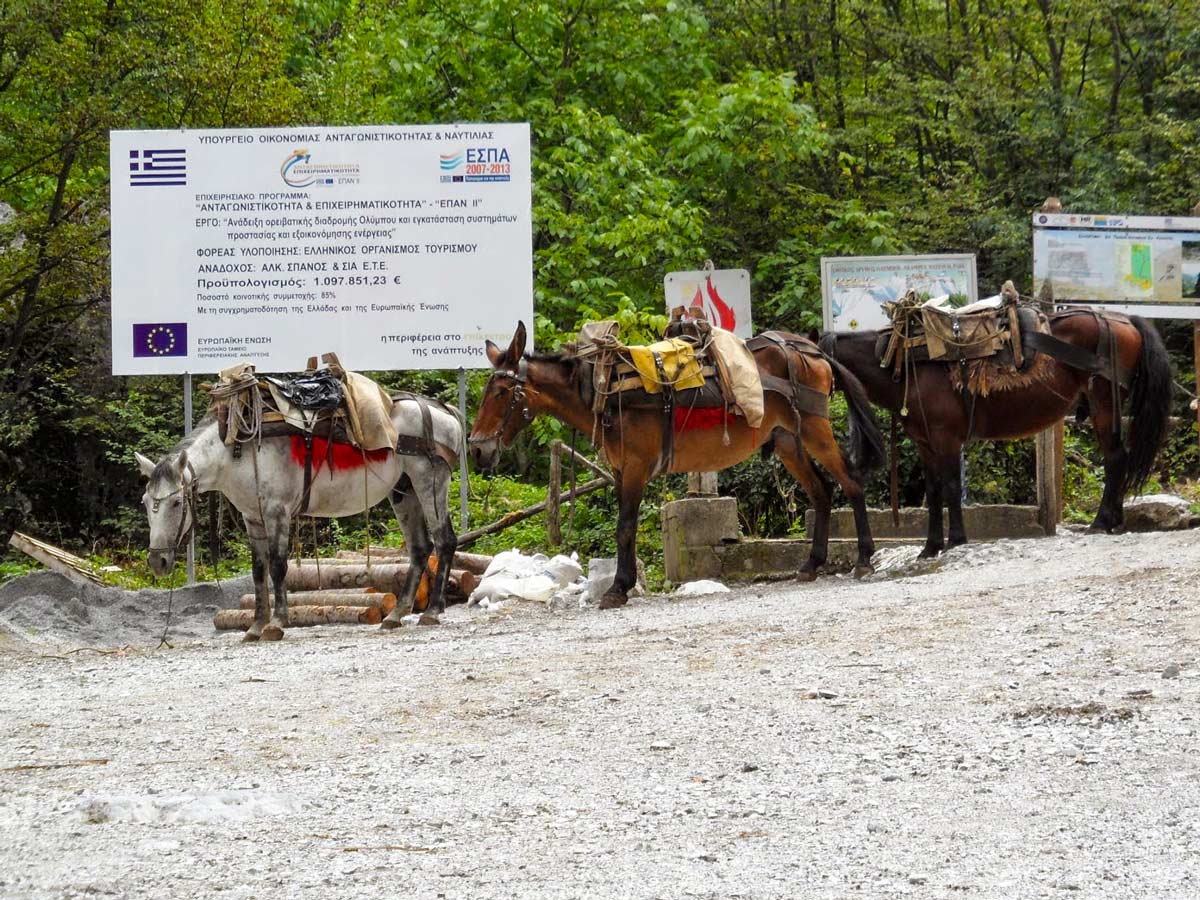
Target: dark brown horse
[
  {"x": 940, "y": 420},
  {"x": 525, "y": 386}
]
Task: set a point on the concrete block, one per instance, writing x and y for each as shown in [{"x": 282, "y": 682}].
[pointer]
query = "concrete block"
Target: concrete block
[
  {"x": 983, "y": 523},
  {"x": 694, "y": 532},
  {"x": 783, "y": 557}
]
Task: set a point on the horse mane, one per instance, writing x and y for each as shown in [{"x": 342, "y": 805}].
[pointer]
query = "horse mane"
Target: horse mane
[
  {"x": 552, "y": 357},
  {"x": 165, "y": 468}
]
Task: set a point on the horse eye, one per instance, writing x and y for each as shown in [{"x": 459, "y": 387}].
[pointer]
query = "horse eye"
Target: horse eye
[{"x": 177, "y": 503}]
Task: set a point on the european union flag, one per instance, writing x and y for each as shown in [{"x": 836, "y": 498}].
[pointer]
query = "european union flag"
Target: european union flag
[
  {"x": 160, "y": 339},
  {"x": 157, "y": 167}
]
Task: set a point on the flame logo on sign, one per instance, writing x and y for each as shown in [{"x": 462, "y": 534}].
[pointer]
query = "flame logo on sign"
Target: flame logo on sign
[{"x": 716, "y": 310}]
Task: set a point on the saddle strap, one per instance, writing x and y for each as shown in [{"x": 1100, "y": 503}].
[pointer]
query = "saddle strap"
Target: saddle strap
[
  {"x": 801, "y": 397},
  {"x": 1076, "y": 357},
  {"x": 806, "y": 400},
  {"x": 308, "y": 454},
  {"x": 424, "y": 443}
]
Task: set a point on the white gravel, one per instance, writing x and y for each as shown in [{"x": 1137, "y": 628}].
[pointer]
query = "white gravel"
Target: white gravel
[{"x": 998, "y": 726}]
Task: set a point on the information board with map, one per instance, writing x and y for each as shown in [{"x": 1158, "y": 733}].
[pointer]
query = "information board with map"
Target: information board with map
[
  {"x": 1144, "y": 265},
  {"x": 854, "y": 288}
]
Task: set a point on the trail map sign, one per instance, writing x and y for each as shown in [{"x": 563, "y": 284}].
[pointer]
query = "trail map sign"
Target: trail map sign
[
  {"x": 1145, "y": 265},
  {"x": 723, "y": 294},
  {"x": 398, "y": 247},
  {"x": 854, "y": 288}
]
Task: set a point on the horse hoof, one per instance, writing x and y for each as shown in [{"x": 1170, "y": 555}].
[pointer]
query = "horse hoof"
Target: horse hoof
[
  {"x": 429, "y": 619},
  {"x": 928, "y": 553},
  {"x": 863, "y": 571},
  {"x": 390, "y": 624},
  {"x": 806, "y": 575},
  {"x": 272, "y": 632},
  {"x": 613, "y": 601},
  {"x": 250, "y": 637}
]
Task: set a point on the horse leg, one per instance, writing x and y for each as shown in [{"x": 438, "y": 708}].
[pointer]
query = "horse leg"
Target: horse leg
[
  {"x": 433, "y": 491},
  {"x": 262, "y": 599},
  {"x": 629, "y": 486},
  {"x": 797, "y": 462},
  {"x": 952, "y": 494},
  {"x": 818, "y": 439},
  {"x": 278, "y": 528},
  {"x": 1111, "y": 514},
  {"x": 412, "y": 523},
  {"x": 934, "y": 541}
]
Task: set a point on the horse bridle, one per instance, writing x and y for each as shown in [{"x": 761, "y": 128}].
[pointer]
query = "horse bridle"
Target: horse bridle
[
  {"x": 519, "y": 377},
  {"x": 187, "y": 487}
]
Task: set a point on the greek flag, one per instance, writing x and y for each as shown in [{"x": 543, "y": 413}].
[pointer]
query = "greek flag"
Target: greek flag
[{"x": 157, "y": 167}]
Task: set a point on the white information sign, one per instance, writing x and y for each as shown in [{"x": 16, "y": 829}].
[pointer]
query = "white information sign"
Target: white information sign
[
  {"x": 854, "y": 288},
  {"x": 397, "y": 247},
  {"x": 1145, "y": 265},
  {"x": 723, "y": 294}
]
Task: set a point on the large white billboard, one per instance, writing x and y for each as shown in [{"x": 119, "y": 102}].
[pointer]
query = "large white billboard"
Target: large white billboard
[
  {"x": 397, "y": 247},
  {"x": 1145, "y": 265}
]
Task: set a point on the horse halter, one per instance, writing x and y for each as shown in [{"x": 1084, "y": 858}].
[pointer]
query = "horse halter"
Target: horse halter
[
  {"x": 519, "y": 377},
  {"x": 187, "y": 487}
]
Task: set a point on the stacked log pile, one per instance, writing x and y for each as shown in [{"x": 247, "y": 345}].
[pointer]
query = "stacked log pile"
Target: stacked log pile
[
  {"x": 388, "y": 576},
  {"x": 357, "y": 606},
  {"x": 345, "y": 590}
]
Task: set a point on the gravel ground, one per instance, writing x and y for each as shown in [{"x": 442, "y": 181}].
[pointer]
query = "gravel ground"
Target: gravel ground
[{"x": 1018, "y": 720}]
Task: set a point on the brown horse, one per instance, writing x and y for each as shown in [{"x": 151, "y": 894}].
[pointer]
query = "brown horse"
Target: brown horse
[
  {"x": 525, "y": 386},
  {"x": 940, "y": 420}
]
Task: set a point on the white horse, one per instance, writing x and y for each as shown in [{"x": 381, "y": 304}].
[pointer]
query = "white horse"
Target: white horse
[{"x": 266, "y": 485}]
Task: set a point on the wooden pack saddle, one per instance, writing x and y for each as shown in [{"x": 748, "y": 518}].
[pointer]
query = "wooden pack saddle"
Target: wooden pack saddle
[
  {"x": 929, "y": 331},
  {"x": 326, "y": 404},
  {"x": 684, "y": 373}
]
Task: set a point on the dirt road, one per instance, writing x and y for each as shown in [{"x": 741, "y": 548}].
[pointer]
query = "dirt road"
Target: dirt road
[{"x": 999, "y": 726}]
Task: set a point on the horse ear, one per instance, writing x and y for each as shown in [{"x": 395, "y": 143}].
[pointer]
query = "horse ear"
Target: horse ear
[
  {"x": 144, "y": 464},
  {"x": 493, "y": 354},
  {"x": 182, "y": 464},
  {"x": 517, "y": 347}
]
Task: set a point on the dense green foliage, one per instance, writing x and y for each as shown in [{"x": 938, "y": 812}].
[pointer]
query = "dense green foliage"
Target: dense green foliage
[{"x": 757, "y": 134}]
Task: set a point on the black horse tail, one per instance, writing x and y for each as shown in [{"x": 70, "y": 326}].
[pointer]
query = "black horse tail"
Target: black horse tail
[
  {"x": 867, "y": 450},
  {"x": 1149, "y": 406}
]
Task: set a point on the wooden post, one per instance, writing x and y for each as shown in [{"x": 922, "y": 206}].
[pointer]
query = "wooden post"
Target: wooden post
[
  {"x": 1196, "y": 347},
  {"x": 702, "y": 484},
  {"x": 553, "y": 495},
  {"x": 465, "y": 540},
  {"x": 1048, "y": 446},
  {"x": 1047, "y": 482},
  {"x": 1059, "y": 466}
]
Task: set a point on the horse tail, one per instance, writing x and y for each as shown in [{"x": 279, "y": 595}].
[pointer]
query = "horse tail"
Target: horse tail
[
  {"x": 1149, "y": 406},
  {"x": 866, "y": 440}
]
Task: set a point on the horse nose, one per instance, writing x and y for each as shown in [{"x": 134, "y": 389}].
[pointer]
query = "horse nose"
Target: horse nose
[
  {"x": 483, "y": 456},
  {"x": 160, "y": 563}
]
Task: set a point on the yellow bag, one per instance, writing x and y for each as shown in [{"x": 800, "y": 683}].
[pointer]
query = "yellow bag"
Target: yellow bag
[{"x": 679, "y": 366}]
